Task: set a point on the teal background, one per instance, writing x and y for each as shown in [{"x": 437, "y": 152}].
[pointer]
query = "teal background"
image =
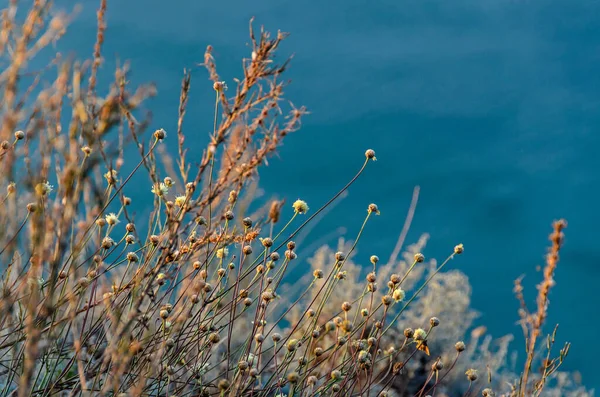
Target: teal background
[{"x": 491, "y": 106}]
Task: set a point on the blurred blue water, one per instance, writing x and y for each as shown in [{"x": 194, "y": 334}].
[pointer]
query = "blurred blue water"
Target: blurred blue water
[{"x": 491, "y": 106}]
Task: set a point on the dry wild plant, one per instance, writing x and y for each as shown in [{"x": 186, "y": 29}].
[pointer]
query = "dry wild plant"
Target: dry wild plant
[{"x": 96, "y": 302}]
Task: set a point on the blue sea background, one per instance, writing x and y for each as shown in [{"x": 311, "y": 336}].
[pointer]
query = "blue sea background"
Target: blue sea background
[{"x": 492, "y": 107}]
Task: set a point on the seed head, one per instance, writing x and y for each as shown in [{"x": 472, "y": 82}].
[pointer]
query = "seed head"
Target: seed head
[
  {"x": 247, "y": 250},
  {"x": 160, "y": 134},
  {"x": 130, "y": 227},
  {"x": 409, "y": 333},
  {"x": 419, "y": 257},
  {"x": 222, "y": 253},
  {"x": 219, "y": 86},
  {"x": 247, "y": 222},
  {"x": 459, "y": 249},
  {"x": 437, "y": 366},
  {"x": 127, "y": 200},
  {"x": 164, "y": 314},
  {"x": 214, "y": 338},
  {"x": 318, "y": 273},
  {"x": 420, "y": 334},
  {"x": 318, "y": 351},
  {"x": 274, "y": 256},
  {"x": 276, "y": 337},
  {"x": 487, "y": 392},
  {"x": 395, "y": 279},
  {"x": 373, "y": 209},
  {"x": 267, "y": 242},
  {"x": 228, "y": 215},
  {"x": 290, "y": 255},
  {"x": 223, "y": 384},
  {"x": 300, "y": 206},
  {"x": 386, "y": 300},
  {"x": 371, "y": 277},
  {"x": 180, "y": 201},
  {"x": 471, "y": 374},
  {"x": 132, "y": 257},
  {"x": 31, "y": 207},
  {"x": 292, "y": 345},
  {"x": 460, "y": 346},
  {"x": 374, "y": 259},
  {"x": 336, "y": 375},
  {"x": 293, "y": 377},
  {"x": 370, "y": 154},
  {"x": 19, "y": 135},
  {"x": 398, "y": 294},
  {"x": 434, "y": 322},
  {"x": 364, "y": 312},
  {"x": 346, "y": 306},
  {"x": 112, "y": 219},
  {"x": 107, "y": 243}
]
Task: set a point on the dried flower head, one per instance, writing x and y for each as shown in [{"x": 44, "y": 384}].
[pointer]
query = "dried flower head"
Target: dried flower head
[
  {"x": 420, "y": 334},
  {"x": 398, "y": 294},
  {"x": 460, "y": 346},
  {"x": 160, "y": 134},
  {"x": 222, "y": 253},
  {"x": 19, "y": 135},
  {"x": 160, "y": 190},
  {"x": 471, "y": 374},
  {"x": 180, "y": 201},
  {"x": 370, "y": 154},
  {"x": 300, "y": 206},
  {"x": 459, "y": 249},
  {"x": 373, "y": 209},
  {"x": 112, "y": 219}
]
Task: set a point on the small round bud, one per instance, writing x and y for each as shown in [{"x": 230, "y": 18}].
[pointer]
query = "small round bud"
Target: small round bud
[
  {"x": 346, "y": 306},
  {"x": 339, "y": 256},
  {"x": 434, "y": 321},
  {"x": 370, "y": 154},
  {"x": 487, "y": 392},
  {"x": 336, "y": 375},
  {"x": 154, "y": 240},
  {"x": 419, "y": 257},
  {"x": 5, "y": 145},
  {"x": 259, "y": 338},
  {"x": 318, "y": 273},
  {"x": 247, "y": 222},
  {"x": 247, "y": 302},
  {"x": 292, "y": 345},
  {"x": 437, "y": 366},
  {"x": 31, "y": 207},
  {"x": 374, "y": 259},
  {"x": 459, "y": 250},
  {"x": 195, "y": 299},
  {"x": 460, "y": 346},
  {"x": 395, "y": 279},
  {"x": 471, "y": 374},
  {"x": 364, "y": 312},
  {"x": 129, "y": 239},
  {"x": 223, "y": 384},
  {"x": 228, "y": 215},
  {"x": 243, "y": 365},
  {"x": 163, "y": 314},
  {"x": 267, "y": 242},
  {"x": 373, "y": 209},
  {"x": 409, "y": 332},
  {"x": 214, "y": 338},
  {"x": 386, "y": 300},
  {"x": 132, "y": 257},
  {"x": 19, "y": 135},
  {"x": 371, "y": 277},
  {"x": 293, "y": 377},
  {"x": 276, "y": 337},
  {"x": 274, "y": 256},
  {"x": 290, "y": 255},
  {"x": 318, "y": 351},
  {"x": 86, "y": 150},
  {"x": 247, "y": 250},
  {"x": 160, "y": 134},
  {"x": 127, "y": 200}
]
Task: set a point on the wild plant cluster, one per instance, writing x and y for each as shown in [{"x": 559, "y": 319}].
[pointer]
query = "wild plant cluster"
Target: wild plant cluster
[{"x": 195, "y": 300}]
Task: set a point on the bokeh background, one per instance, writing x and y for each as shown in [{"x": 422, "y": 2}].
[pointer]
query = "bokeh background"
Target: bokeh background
[{"x": 492, "y": 107}]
